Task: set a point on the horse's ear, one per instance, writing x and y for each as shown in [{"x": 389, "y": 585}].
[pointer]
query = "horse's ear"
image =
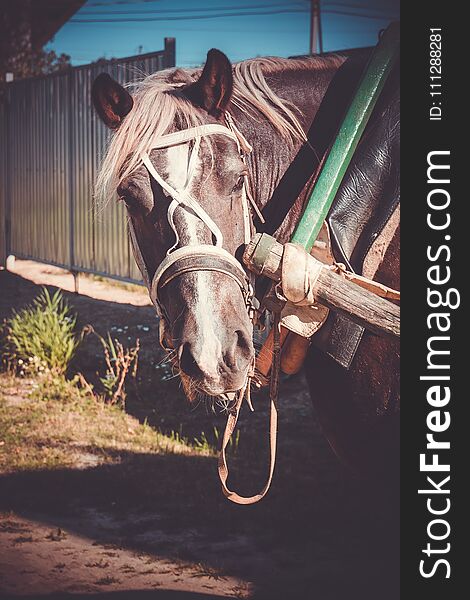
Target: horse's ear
[
  {"x": 111, "y": 100},
  {"x": 214, "y": 87}
]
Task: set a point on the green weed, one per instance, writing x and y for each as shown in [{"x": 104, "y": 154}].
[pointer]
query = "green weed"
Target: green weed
[
  {"x": 121, "y": 363},
  {"x": 41, "y": 337}
]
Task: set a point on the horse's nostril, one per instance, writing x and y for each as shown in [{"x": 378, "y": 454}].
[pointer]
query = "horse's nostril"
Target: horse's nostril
[
  {"x": 187, "y": 361},
  {"x": 230, "y": 357},
  {"x": 239, "y": 352},
  {"x": 244, "y": 341}
]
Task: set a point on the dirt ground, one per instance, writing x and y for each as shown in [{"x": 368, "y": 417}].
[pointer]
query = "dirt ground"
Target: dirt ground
[{"x": 158, "y": 526}]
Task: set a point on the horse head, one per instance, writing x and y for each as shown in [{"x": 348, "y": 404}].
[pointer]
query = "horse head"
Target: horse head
[{"x": 178, "y": 167}]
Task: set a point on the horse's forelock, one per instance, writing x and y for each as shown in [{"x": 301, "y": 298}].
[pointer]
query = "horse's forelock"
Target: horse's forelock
[{"x": 159, "y": 103}]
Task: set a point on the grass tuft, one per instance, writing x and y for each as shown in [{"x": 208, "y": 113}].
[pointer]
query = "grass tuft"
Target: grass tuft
[
  {"x": 51, "y": 423},
  {"x": 41, "y": 337},
  {"x": 51, "y": 418}
]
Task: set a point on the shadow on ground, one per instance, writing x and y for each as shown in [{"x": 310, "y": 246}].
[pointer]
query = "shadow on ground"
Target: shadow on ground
[
  {"x": 319, "y": 534},
  {"x": 124, "y": 595},
  {"x": 307, "y": 535}
]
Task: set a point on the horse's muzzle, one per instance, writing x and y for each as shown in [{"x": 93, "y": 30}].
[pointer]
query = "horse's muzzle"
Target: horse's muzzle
[{"x": 215, "y": 364}]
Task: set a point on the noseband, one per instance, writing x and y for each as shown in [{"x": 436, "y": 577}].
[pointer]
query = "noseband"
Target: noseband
[{"x": 198, "y": 258}]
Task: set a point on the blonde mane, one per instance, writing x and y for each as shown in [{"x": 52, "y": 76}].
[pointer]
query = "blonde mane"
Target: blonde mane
[{"x": 159, "y": 104}]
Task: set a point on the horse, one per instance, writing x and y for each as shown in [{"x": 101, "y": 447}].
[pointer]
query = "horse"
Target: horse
[{"x": 189, "y": 146}]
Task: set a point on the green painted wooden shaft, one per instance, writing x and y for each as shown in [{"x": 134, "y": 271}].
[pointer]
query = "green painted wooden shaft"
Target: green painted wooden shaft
[{"x": 350, "y": 132}]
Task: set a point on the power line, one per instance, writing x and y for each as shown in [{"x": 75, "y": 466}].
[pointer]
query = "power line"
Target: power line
[
  {"x": 232, "y": 14},
  {"x": 179, "y": 18},
  {"x": 353, "y": 14},
  {"x": 324, "y": 3},
  {"x": 122, "y": 2},
  {"x": 353, "y": 5},
  {"x": 185, "y": 10}
]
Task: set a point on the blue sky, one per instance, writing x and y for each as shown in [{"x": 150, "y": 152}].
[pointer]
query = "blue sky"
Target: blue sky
[{"x": 234, "y": 26}]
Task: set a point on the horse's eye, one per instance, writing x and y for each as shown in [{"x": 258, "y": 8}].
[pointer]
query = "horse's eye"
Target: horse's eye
[
  {"x": 238, "y": 186},
  {"x": 129, "y": 202}
]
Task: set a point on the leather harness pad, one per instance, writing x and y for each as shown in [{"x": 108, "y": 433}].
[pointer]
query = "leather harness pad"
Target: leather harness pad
[{"x": 366, "y": 200}]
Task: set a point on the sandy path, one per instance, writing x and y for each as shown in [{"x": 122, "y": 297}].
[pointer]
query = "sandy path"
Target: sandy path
[
  {"x": 34, "y": 556},
  {"x": 100, "y": 289}
]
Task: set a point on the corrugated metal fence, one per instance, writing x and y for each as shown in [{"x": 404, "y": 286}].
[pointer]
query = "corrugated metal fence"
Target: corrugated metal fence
[{"x": 51, "y": 142}]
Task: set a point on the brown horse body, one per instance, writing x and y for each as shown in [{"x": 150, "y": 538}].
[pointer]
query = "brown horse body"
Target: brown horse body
[{"x": 357, "y": 406}]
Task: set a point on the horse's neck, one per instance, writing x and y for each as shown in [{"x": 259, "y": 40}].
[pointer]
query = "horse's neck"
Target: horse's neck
[{"x": 272, "y": 155}]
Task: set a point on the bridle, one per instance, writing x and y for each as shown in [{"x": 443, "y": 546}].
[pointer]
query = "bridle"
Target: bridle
[
  {"x": 198, "y": 257},
  {"x": 207, "y": 257}
]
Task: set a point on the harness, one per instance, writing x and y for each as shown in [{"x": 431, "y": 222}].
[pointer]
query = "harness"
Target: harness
[{"x": 206, "y": 257}]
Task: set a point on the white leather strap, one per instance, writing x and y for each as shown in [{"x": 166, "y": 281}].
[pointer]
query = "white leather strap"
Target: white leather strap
[
  {"x": 185, "y": 135},
  {"x": 183, "y": 197}
]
